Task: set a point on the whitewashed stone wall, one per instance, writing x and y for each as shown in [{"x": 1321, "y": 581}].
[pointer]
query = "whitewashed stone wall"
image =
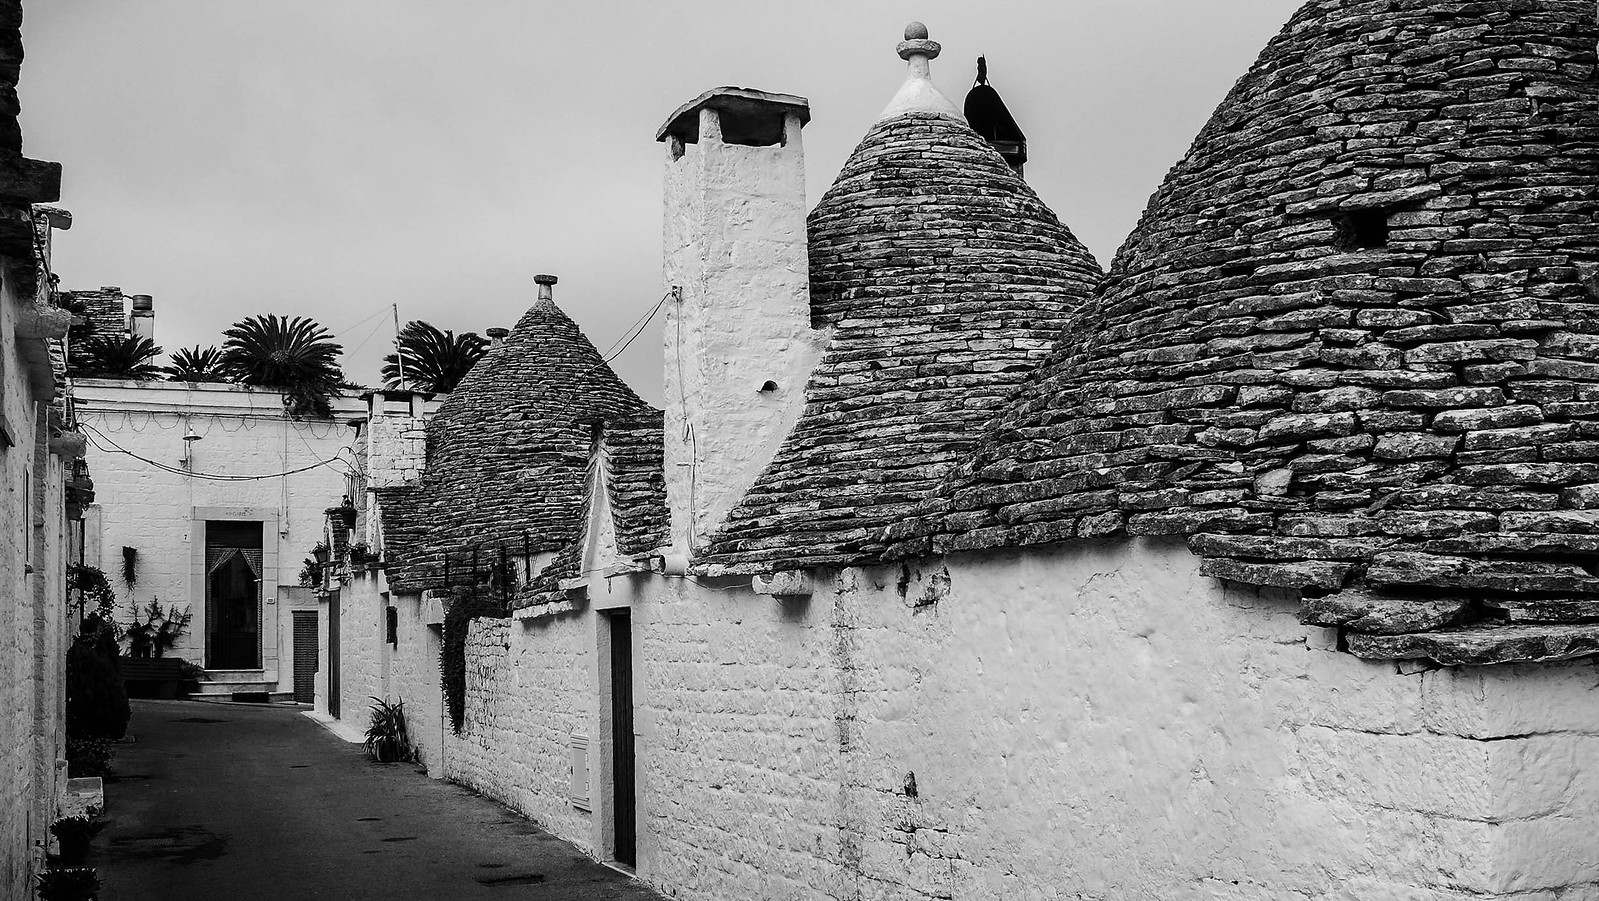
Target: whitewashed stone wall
[
  {"x": 33, "y": 615},
  {"x": 414, "y": 678},
  {"x": 243, "y": 432},
  {"x": 362, "y": 649},
  {"x": 1095, "y": 722}
]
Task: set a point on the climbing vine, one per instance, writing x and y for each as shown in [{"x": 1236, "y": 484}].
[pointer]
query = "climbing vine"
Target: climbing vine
[{"x": 469, "y": 604}]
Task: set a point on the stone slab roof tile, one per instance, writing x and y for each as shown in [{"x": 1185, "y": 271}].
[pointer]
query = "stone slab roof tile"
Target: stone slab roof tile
[
  {"x": 508, "y": 450},
  {"x": 945, "y": 280},
  {"x": 1350, "y": 346}
]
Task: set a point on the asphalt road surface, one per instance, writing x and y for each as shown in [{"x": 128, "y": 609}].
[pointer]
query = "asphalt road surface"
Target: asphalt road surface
[{"x": 230, "y": 802}]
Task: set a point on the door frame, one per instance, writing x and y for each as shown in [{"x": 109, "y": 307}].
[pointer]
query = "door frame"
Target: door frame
[
  {"x": 199, "y": 634},
  {"x": 620, "y": 666}
]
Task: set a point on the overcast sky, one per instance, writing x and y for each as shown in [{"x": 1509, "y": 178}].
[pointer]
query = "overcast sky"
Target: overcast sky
[{"x": 330, "y": 157}]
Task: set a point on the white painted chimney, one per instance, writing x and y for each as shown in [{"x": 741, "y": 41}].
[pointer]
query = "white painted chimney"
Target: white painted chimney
[
  {"x": 141, "y": 321},
  {"x": 739, "y": 342}
]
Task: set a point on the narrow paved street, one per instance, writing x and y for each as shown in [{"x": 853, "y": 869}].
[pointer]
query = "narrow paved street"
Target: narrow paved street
[{"x": 237, "y": 802}]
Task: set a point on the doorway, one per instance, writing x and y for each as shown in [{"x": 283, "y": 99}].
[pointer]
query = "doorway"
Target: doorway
[
  {"x": 233, "y": 563},
  {"x": 624, "y": 814},
  {"x": 306, "y": 651},
  {"x": 333, "y": 653}
]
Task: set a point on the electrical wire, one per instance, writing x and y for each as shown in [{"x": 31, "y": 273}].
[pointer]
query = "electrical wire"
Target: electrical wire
[
  {"x": 95, "y": 437},
  {"x": 634, "y": 329},
  {"x": 364, "y": 320}
]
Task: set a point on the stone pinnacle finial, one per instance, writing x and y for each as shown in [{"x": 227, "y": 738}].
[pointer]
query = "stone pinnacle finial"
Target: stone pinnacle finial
[
  {"x": 919, "y": 93},
  {"x": 916, "y": 42},
  {"x": 546, "y": 285}
]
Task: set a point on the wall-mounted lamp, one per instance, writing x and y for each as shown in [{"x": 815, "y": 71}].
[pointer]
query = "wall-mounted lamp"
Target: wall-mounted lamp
[{"x": 189, "y": 437}]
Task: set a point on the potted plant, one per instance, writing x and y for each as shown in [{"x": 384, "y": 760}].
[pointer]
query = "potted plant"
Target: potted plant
[
  {"x": 147, "y": 670},
  {"x": 387, "y": 739},
  {"x": 342, "y": 516},
  {"x": 69, "y": 884},
  {"x": 74, "y": 834},
  {"x": 360, "y": 553}
]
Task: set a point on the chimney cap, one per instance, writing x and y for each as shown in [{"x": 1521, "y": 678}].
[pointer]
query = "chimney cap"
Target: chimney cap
[
  {"x": 544, "y": 279},
  {"x": 748, "y": 116},
  {"x": 497, "y": 332},
  {"x": 143, "y": 302}
]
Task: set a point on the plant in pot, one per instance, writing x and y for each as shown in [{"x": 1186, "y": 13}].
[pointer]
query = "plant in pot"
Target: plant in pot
[
  {"x": 360, "y": 553},
  {"x": 342, "y": 516},
  {"x": 88, "y": 757},
  {"x": 158, "y": 632},
  {"x": 69, "y": 884},
  {"x": 310, "y": 574},
  {"x": 147, "y": 671},
  {"x": 387, "y": 739},
  {"x": 74, "y": 835}
]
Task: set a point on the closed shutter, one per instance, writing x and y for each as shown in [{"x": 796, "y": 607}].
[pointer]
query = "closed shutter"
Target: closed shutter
[{"x": 305, "y": 656}]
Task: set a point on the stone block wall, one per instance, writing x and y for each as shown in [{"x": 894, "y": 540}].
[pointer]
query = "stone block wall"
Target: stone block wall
[
  {"x": 396, "y": 443},
  {"x": 1097, "y": 721},
  {"x": 33, "y": 617},
  {"x": 414, "y": 678},
  {"x": 362, "y": 650}
]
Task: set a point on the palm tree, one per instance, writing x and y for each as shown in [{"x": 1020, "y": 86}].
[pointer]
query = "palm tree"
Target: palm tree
[
  {"x": 434, "y": 361},
  {"x": 197, "y": 364},
  {"x": 295, "y": 356},
  {"x": 120, "y": 357}
]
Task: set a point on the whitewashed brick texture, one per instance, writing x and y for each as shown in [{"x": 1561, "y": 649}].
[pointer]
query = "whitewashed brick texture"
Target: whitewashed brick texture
[{"x": 1094, "y": 722}]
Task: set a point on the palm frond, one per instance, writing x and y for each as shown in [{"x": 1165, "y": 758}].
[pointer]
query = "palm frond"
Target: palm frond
[
  {"x": 294, "y": 355},
  {"x": 435, "y": 360},
  {"x": 197, "y": 364},
  {"x": 120, "y": 357}
]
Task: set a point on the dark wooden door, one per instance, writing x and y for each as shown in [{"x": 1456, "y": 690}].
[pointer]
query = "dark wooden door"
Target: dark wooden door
[
  {"x": 625, "y": 813},
  {"x": 333, "y": 654},
  {"x": 306, "y": 649}
]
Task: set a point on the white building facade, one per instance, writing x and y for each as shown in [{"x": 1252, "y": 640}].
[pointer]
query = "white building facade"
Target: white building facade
[{"x": 209, "y": 499}]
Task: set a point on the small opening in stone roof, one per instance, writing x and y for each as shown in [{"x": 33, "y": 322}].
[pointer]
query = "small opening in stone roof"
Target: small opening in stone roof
[
  {"x": 769, "y": 387},
  {"x": 1360, "y": 230}
]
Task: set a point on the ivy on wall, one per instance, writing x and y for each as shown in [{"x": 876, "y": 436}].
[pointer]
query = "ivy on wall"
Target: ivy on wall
[{"x": 469, "y": 604}]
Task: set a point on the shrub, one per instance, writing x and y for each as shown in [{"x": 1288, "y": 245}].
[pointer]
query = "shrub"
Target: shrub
[
  {"x": 387, "y": 739},
  {"x": 97, "y": 702},
  {"x": 88, "y": 757},
  {"x": 469, "y": 604},
  {"x": 91, "y": 583},
  {"x": 69, "y": 884}
]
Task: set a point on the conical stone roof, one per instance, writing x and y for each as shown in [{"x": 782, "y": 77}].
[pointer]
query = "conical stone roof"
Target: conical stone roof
[
  {"x": 1351, "y": 347},
  {"x": 508, "y": 450},
  {"x": 945, "y": 281}
]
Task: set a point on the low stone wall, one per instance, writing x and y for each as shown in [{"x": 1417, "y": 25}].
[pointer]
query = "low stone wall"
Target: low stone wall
[{"x": 1096, "y": 721}]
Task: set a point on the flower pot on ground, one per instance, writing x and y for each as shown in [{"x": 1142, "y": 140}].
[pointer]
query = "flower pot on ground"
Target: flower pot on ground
[
  {"x": 74, "y": 835},
  {"x": 158, "y": 632},
  {"x": 387, "y": 740},
  {"x": 69, "y": 884}
]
